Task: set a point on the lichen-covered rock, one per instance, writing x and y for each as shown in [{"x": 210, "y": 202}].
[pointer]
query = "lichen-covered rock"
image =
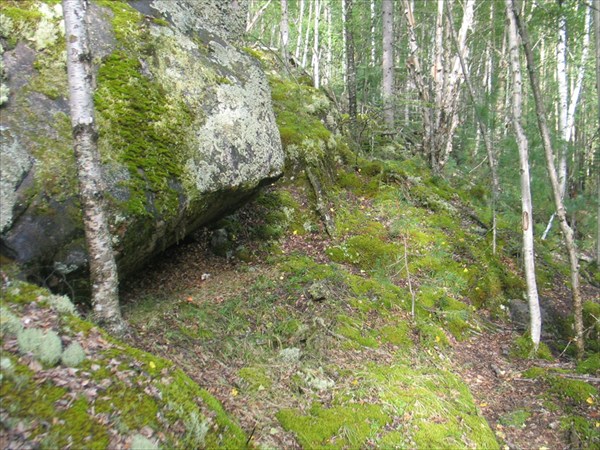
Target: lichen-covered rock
[{"x": 186, "y": 129}]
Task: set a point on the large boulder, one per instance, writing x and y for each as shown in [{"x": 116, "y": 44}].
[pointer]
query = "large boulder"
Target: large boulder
[{"x": 186, "y": 130}]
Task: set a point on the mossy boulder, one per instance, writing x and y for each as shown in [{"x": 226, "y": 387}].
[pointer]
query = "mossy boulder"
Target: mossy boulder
[{"x": 186, "y": 128}]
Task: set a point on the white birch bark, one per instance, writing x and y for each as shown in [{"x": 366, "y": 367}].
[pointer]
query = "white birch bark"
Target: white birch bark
[
  {"x": 329, "y": 54},
  {"x": 372, "y": 58},
  {"x": 307, "y": 37},
  {"x": 103, "y": 268},
  {"x": 387, "y": 84},
  {"x": 299, "y": 37},
  {"x": 596, "y": 8},
  {"x": 568, "y": 99},
  {"x": 257, "y": 16},
  {"x": 316, "y": 56},
  {"x": 567, "y": 231},
  {"x": 526, "y": 204},
  {"x": 285, "y": 31}
]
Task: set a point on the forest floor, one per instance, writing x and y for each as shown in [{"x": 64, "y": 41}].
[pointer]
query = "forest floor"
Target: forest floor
[{"x": 520, "y": 410}]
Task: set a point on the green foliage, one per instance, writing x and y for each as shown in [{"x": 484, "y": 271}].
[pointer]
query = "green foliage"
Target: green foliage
[
  {"x": 364, "y": 251},
  {"x": 586, "y": 432},
  {"x": 62, "y": 304},
  {"x": 73, "y": 355},
  {"x": 334, "y": 428}
]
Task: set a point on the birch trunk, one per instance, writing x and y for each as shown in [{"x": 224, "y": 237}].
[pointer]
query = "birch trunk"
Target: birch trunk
[
  {"x": 329, "y": 54},
  {"x": 568, "y": 101},
  {"x": 596, "y": 8},
  {"x": 316, "y": 57},
  {"x": 307, "y": 38},
  {"x": 568, "y": 235},
  {"x": 299, "y": 38},
  {"x": 483, "y": 131},
  {"x": 387, "y": 84},
  {"x": 526, "y": 204},
  {"x": 285, "y": 31},
  {"x": 373, "y": 50},
  {"x": 350, "y": 67},
  {"x": 103, "y": 268}
]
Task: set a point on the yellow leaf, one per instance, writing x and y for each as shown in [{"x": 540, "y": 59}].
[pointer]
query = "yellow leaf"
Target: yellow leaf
[
  {"x": 234, "y": 392},
  {"x": 483, "y": 405},
  {"x": 152, "y": 365},
  {"x": 437, "y": 339},
  {"x": 466, "y": 270},
  {"x": 295, "y": 232},
  {"x": 590, "y": 400}
]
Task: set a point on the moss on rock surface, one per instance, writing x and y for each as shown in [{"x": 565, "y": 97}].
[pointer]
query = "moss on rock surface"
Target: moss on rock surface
[
  {"x": 178, "y": 151},
  {"x": 116, "y": 391}
]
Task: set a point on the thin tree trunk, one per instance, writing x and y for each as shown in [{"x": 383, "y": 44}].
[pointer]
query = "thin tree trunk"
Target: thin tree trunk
[
  {"x": 372, "y": 58},
  {"x": 388, "y": 64},
  {"x": 299, "y": 38},
  {"x": 350, "y": 67},
  {"x": 526, "y": 204},
  {"x": 329, "y": 55},
  {"x": 482, "y": 130},
  {"x": 316, "y": 57},
  {"x": 257, "y": 16},
  {"x": 285, "y": 31},
  {"x": 567, "y": 232},
  {"x": 307, "y": 38},
  {"x": 567, "y": 104},
  {"x": 596, "y": 8},
  {"x": 344, "y": 44},
  {"x": 103, "y": 268}
]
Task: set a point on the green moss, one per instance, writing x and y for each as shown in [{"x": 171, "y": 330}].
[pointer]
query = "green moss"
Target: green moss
[
  {"x": 398, "y": 335},
  {"x": 255, "y": 378},
  {"x": 431, "y": 335},
  {"x": 355, "y": 330},
  {"x": 79, "y": 430},
  {"x": 145, "y": 130},
  {"x": 516, "y": 419},
  {"x": 366, "y": 252},
  {"x": 334, "y": 428},
  {"x": 575, "y": 390},
  {"x": 438, "y": 406},
  {"x": 135, "y": 409},
  {"x": 586, "y": 431},
  {"x": 590, "y": 365},
  {"x": 534, "y": 372},
  {"x": 523, "y": 348},
  {"x": 126, "y": 20}
]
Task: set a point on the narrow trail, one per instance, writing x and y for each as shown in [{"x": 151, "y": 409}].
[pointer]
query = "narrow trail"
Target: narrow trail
[{"x": 190, "y": 272}]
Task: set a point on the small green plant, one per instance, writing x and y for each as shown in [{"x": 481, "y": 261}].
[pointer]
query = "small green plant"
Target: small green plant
[
  {"x": 73, "y": 355},
  {"x": 516, "y": 419}
]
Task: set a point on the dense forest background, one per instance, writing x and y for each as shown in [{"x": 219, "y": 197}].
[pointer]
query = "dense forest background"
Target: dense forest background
[{"x": 427, "y": 106}]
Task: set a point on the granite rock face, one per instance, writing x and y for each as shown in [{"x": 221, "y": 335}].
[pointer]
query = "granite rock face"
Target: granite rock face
[{"x": 186, "y": 129}]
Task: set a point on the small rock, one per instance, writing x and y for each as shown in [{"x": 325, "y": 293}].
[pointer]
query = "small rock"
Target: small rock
[{"x": 317, "y": 291}]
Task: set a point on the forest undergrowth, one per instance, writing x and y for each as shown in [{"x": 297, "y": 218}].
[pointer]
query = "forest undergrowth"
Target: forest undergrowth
[{"x": 309, "y": 341}]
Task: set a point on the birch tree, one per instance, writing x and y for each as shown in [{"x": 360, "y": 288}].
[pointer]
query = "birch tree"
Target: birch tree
[
  {"x": 387, "y": 85},
  {"x": 103, "y": 268},
  {"x": 316, "y": 56},
  {"x": 568, "y": 96},
  {"x": 285, "y": 31},
  {"x": 596, "y": 8},
  {"x": 535, "y": 317},
  {"x": 350, "y": 66},
  {"x": 567, "y": 231}
]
